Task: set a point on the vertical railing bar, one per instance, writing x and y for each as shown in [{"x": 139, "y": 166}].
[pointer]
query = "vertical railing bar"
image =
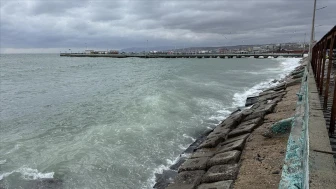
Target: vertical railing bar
[
  {"x": 318, "y": 66},
  {"x": 328, "y": 73},
  {"x": 333, "y": 109},
  {"x": 323, "y": 65}
]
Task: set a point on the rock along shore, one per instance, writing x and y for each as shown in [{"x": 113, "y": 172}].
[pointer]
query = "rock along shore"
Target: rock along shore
[{"x": 214, "y": 159}]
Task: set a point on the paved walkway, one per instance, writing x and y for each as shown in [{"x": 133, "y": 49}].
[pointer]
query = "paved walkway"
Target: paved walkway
[{"x": 327, "y": 112}]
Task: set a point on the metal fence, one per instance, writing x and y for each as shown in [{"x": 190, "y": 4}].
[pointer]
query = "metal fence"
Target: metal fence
[{"x": 324, "y": 68}]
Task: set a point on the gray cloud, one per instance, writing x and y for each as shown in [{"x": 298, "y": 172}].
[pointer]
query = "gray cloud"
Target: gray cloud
[{"x": 101, "y": 24}]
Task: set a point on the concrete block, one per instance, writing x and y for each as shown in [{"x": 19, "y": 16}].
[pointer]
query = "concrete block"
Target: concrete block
[
  {"x": 187, "y": 180},
  {"x": 194, "y": 164},
  {"x": 236, "y": 145},
  {"x": 251, "y": 100},
  {"x": 229, "y": 157},
  {"x": 232, "y": 121},
  {"x": 211, "y": 142},
  {"x": 269, "y": 108},
  {"x": 272, "y": 95},
  {"x": 258, "y": 121},
  {"x": 199, "y": 153},
  {"x": 220, "y": 132},
  {"x": 276, "y": 100},
  {"x": 243, "y": 129},
  {"x": 227, "y": 184},
  {"x": 246, "y": 112},
  {"x": 240, "y": 137},
  {"x": 221, "y": 173},
  {"x": 278, "y": 87},
  {"x": 266, "y": 93},
  {"x": 256, "y": 114}
]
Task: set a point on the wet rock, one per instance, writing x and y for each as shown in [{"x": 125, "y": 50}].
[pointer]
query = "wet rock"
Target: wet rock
[
  {"x": 179, "y": 162},
  {"x": 229, "y": 157},
  {"x": 195, "y": 145},
  {"x": 243, "y": 129},
  {"x": 187, "y": 180},
  {"x": 227, "y": 184},
  {"x": 236, "y": 145},
  {"x": 240, "y": 137},
  {"x": 164, "y": 179},
  {"x": 220, "y": 173},
  {"x": 251, "y": 100},
  {"x": 194, "y": 164}
]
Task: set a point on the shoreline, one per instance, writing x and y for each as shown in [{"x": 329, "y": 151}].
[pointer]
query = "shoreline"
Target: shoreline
[{"x": 162, "y": 180}]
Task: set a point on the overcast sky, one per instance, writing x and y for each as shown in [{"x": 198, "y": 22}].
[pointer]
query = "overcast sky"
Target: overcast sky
[{"x": 59, "y": 25}]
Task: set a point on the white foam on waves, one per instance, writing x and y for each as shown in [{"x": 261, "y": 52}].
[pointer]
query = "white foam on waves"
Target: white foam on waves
[
  {"x": 286, "y": 66},
  {"x": 159, "y": 170},
  {"x": 28, "y": 174}
]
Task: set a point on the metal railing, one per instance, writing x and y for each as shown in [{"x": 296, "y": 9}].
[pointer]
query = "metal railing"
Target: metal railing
[{"x": 325, "y": 75}]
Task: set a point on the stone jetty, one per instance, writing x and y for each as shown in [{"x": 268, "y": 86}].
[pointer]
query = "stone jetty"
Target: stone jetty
[{"x": 214, "y": 160}]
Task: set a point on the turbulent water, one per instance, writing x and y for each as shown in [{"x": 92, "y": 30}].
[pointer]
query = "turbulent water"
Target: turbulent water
[{"x": 113, "y": 123}]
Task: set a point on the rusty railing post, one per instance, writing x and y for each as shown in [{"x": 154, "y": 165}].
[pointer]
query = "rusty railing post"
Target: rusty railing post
[
  {"x": 323, "y": 65},
  {"x": 333, "y": 109},
  {"x": 325, "y": 103},
  {"x": 319, "y": 66},
  {"x": 313, "y": 60}
]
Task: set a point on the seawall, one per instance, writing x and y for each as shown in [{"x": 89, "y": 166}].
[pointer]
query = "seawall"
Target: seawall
[{"x": 216, "y": 158}]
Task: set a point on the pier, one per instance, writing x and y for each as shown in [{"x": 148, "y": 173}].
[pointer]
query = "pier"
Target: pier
[{"x": 259, "y": 55}]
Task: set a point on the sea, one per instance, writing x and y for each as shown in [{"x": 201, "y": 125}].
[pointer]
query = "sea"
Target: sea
[{"x": 114, "y": 123}]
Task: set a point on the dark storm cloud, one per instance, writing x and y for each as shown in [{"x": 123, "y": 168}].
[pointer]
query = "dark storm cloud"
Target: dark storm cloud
[{"x": 126, "y": 23}]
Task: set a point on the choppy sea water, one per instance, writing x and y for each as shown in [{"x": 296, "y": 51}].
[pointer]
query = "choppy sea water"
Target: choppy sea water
[{"x": 113, "y": 123}]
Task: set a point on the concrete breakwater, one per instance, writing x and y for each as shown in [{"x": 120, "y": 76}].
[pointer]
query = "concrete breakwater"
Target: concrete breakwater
[{"x": 214, "y": 159}]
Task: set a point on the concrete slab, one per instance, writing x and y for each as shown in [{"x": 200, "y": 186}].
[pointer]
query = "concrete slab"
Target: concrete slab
[
  {"x": 242, "y": 130},
  {"x": 221, "y": 133},
  {"x": 187, "y": 180},
  {"x": 199, "y": 154},
  {"x": 258, "y": 121},
  {"x": 256, "y": 114},
  {"x": 244, "y": 137},
  {"x": 232, "y": 121},
  {"x": 246, "y": 112},
  {"x": 220, "y": 173},
  {"x": 224, "y": 158},
  {"x": 211, "y": 142},
  {"x": 251, "y": 100},
  {"x": 227, "y": 184},
  {"x": 266, "y": 93},
  {"x": 194, "y": 164},
  {"x": 236, "y": 145}
]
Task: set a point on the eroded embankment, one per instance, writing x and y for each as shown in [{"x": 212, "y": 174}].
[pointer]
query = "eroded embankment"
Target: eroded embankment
[{"x": 237, "y": 146}]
